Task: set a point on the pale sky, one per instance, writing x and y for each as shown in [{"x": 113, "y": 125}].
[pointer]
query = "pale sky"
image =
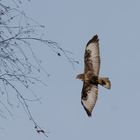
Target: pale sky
[{"x": 72, "y": 23}]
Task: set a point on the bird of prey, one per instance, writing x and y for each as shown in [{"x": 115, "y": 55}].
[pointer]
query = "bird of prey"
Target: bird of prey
[{"x": 90, "y": 77}]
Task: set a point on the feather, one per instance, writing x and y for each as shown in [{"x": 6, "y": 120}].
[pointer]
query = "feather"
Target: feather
[
  {"x": 89, "y": 97},
  {"x": 90, "y": 77}
]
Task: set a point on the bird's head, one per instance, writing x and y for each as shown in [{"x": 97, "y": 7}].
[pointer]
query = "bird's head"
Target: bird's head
[{"x": 80, "y": 77}]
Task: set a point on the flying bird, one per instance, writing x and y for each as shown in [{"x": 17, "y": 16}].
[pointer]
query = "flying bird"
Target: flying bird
[{"x": 90, "y": 77}]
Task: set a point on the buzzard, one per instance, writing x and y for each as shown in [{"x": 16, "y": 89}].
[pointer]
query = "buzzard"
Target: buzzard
[{"x": 90, "y": 77}]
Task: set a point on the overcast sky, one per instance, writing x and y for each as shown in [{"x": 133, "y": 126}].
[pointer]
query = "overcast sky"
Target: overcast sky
[{"x": 72, "y": 23}]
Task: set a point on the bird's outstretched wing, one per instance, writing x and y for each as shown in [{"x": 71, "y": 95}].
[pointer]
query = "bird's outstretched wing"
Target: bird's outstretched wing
[
  {"x": 92, "y": 67},
  {"x": 90, "y": 77},
  {"x": 89, "y": 97},
  {"x": 92, "y": 56}
]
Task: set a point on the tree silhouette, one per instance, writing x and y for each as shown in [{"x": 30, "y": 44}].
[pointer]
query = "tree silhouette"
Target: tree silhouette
[{"x": 18, "y": 34}]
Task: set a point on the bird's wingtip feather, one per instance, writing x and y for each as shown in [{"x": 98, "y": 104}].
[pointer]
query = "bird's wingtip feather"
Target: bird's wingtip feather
[
  {"x": 87, "y": 111},
  {"x": 94, "y": 39}
]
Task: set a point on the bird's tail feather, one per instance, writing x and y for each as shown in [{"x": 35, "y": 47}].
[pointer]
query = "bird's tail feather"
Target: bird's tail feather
[{"x": 105, "y": 82}]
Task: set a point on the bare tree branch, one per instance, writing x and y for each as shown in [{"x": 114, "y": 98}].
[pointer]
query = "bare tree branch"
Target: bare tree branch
[{"x": 17, "y": 34}]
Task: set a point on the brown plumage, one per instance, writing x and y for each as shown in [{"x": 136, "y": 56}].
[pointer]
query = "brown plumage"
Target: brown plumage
[{"x": 90, "y": 77}]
